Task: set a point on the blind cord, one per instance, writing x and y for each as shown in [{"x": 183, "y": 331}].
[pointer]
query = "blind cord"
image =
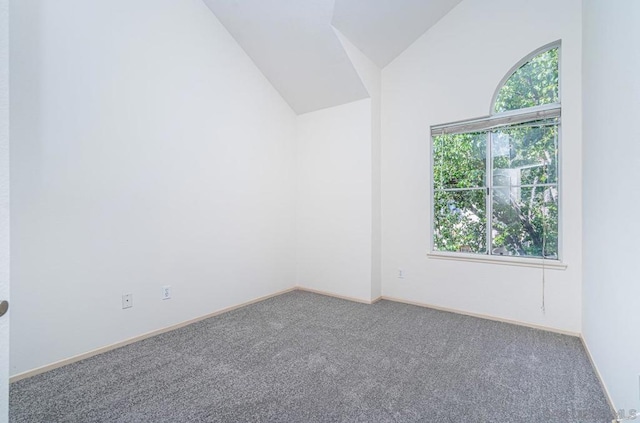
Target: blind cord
[
  {"x": 544, "y": 256},
  {"x": 544, "y": 310}
]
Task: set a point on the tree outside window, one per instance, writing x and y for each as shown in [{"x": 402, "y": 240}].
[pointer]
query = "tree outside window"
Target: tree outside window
[{"x": 495, "y": 186}]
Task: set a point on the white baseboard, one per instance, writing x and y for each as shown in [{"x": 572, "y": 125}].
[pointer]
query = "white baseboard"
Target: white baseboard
[
  {"x": 599, "y": 375},
  {"x": 483, "y": 316},
  {"x": 110, "y": 347},
  {"x": 342, "y": 297},
  {"x": 76, "y": 358}
]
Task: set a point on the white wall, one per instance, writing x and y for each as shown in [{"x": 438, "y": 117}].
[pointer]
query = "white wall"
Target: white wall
[
  {"x": 450, "y": 74},
  {"x": 4, "y": 207},
  {"x": 372, "y": 79},
  {"x": 147, "y": 150},
  {"x": 611, "y": 94},
  {"x": 334, "y": 200}
]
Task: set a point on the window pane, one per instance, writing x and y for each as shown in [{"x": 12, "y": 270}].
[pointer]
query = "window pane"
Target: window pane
[
  {"x": 525, "y": 154},
  {"x": 525, "y": 221},
  {"x": 459, "y": 160},
  {"x": 460, "y": 221},
  {"x": 535, "y": 83}
]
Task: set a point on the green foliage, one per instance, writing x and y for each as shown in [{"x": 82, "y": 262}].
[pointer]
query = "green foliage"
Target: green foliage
[
  {"x": 533, "y": 84},
  {"x": 525, "y": 225},
  {"x": 531, "y": 147},
  {"x": 460, "y": 220},
  {"x": 524, "y": 203},
  {"x": 524, "y": 168},
  {"x": 450, "y": 151}
]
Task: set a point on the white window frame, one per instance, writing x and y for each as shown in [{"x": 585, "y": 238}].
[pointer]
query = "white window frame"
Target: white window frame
[{"x": 487, "y": 123}]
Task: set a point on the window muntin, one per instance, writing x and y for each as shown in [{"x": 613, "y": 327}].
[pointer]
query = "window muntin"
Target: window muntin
[{"x": 495, "y": 183}]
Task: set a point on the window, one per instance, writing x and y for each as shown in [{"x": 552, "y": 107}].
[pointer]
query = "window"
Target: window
[{"x": 496, "y": 179}]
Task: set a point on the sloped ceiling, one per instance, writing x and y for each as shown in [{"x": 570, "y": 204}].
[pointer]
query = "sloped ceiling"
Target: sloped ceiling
[
  {"x": 294, "y": 45},
  {"x": 382, "y": 29}
]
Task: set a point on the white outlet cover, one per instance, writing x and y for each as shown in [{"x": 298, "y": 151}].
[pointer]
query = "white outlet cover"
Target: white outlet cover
[{"x": 127, "y": 301}]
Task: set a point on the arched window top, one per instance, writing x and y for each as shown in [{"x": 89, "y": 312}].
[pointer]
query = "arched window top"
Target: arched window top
[{"x": 533, "y": 82}]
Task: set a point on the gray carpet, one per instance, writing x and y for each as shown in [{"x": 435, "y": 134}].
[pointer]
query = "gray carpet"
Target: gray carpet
[{"x": 303, "y": 357}]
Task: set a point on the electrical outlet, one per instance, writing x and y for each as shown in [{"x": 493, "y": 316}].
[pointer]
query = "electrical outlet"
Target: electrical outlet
[
  {"x": 127, "y": 301},
  {"x": 400, "y": 273},
  {"x": 166, "y": 292}
]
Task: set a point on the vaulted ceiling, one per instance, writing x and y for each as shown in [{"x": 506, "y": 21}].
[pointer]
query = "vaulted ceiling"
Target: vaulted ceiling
[{"x": 294, "y": 44}]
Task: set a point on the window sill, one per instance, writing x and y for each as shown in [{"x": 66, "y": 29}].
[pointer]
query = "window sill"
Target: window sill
[{"x": 502, "y": 260}]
